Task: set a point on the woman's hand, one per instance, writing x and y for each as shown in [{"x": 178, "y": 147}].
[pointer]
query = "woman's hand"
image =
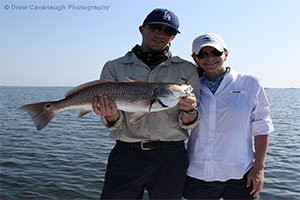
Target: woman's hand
[{"x": 256, "y": 177}]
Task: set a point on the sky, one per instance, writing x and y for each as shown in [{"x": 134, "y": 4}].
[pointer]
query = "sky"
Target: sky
[{"x": 66, "y": 42}]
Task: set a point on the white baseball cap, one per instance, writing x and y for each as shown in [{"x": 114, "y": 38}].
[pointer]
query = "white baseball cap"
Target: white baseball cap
[{"x": 208, "y": 39}]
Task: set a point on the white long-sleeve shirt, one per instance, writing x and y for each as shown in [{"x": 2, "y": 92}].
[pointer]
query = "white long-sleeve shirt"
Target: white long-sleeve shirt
[{"x": 221, "y": 146}]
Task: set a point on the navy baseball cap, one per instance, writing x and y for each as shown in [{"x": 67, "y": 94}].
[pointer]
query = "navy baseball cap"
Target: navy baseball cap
[{"x": 163, "y": 16}]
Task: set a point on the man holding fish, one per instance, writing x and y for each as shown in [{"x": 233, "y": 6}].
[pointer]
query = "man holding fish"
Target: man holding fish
[
  {"x": 145, "y": 100},
  {"x": 149, "y": 152}
]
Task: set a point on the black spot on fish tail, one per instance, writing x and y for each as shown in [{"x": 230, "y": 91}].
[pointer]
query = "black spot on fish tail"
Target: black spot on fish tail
[{"x": 41, "y": 113}]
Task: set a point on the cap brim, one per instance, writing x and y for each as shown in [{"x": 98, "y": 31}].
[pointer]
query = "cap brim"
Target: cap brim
[
  {"x": 214, "y": 45},
  {"x": 164, "y": 23}
]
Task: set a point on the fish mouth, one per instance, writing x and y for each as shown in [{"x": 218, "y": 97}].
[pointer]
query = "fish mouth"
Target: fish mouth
[{"x": 188, "y": 90}]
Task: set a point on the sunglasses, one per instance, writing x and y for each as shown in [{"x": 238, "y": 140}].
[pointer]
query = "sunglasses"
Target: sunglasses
[
  {"x": 167, "y": 30},
  {"x": 214, "y": 53}
]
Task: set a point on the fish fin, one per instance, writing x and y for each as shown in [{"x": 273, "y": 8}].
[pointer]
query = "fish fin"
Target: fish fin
[
  {"x": 151, "y": 104},
  {"x": 138, "y": 116},
  {"x": 85, "y": 85},
  {"x": 162, "y": 100},
  {"x": 83, "y": 112},
  {"x": 167, "y": 102},
  {"x": 161, "y": 103},
  {"x": 131, "y": 79},
  {"x": 41, "y": 113}
]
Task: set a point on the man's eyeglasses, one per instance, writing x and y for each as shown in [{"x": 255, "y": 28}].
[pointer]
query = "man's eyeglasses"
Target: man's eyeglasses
[
  {"x": 214, "y": 53},
  {"x": 167, "y": 30}
]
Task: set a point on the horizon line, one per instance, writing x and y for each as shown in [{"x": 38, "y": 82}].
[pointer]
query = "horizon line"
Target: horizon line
[{"x": 77, "y": 85}]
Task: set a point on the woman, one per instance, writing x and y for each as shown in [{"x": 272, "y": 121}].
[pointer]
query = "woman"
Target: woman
[{"x": 234, "y": 113}]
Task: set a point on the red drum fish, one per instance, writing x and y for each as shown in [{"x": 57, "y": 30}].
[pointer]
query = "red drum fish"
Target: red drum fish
[{"x": 132, "y": 95}]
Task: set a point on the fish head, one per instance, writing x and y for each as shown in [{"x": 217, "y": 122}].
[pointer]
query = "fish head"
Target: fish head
[
  {"x": 170, "y": 95},
  {"x": 180, "y": 90}
]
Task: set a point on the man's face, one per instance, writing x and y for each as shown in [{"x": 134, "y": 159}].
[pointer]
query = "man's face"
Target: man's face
[{"x": 156, "y": 37}]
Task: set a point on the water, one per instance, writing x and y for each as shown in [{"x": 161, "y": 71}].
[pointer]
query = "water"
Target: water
[{"x": 67, "y": 159}]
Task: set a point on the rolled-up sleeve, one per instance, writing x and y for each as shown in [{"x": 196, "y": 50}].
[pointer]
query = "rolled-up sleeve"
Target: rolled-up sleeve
[
  {"x": 188, "y": 126},
  {"x": 261, "y": 123},
  {"x": 116, "y": 125}
]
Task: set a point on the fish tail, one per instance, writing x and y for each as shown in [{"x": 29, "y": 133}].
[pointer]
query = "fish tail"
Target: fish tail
[{"x": 41, "y": 113}]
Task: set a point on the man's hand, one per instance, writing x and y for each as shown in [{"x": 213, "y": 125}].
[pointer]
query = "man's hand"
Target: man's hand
[
  {"x": 103, "y": 106},
  {"x": 188, "y": 103}
]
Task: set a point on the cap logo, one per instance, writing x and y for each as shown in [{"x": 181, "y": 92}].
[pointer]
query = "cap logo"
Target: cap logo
[
  {"x": 205, "y": 39},
  {"x": 167, "y": 16}
]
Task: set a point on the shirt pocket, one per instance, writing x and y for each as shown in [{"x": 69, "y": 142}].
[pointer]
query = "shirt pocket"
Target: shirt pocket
[{"x": 239, "y": 99}]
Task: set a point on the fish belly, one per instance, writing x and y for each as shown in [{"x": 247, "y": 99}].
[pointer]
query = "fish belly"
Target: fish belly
[{"x": 132, "y": 106}]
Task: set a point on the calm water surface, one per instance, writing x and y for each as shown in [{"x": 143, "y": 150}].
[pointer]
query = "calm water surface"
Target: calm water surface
[{"x": 67, "y": 159}]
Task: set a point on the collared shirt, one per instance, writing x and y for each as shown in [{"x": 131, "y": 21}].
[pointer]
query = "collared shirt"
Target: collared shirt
[
  {"x": 221, "y": 146},
  {"x": 163, "y": 125},
  {"x": 214, "y": 85}
]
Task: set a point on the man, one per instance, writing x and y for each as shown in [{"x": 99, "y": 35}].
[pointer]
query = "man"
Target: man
[{"x": 150, "y": 154}]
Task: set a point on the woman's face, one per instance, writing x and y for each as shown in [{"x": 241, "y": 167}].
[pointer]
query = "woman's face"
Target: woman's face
[{"x": 212, "y": 64}]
